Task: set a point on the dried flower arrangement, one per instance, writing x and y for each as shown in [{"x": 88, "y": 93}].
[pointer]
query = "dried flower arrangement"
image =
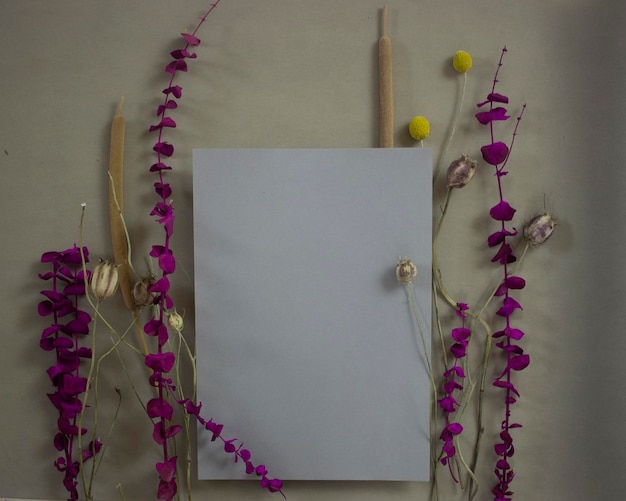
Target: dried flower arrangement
[
  {"x": 452, "y": 392},
  {"x": 70, "y": 323}
]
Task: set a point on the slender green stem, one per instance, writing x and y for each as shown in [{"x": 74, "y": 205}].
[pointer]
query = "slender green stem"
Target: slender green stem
[
  {"x": 132, "y": 385},
  {"x": 455, "y": 123},
  {"x": 181, "y": 396},
  {"x": 121, "y": 214},
  {"x": 87, "y": 486},
  {"x": 121, "y": 492},
  {"x": 409, "y": 289},
  {"x": 110, "y": 432}
]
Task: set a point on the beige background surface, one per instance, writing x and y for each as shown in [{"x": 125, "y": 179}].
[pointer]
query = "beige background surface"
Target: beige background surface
[{"x": 295, "y": 73}]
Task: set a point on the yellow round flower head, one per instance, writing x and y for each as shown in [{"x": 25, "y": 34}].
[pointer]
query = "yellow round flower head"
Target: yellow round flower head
[
  {"x": 462, "y": 61},
  {"x": 419, "y": 128}
]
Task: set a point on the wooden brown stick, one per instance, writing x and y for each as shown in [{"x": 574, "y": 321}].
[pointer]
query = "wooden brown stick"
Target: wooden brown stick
[
  {"x": 116, "y": 210},
  {"x": 385, "y": 83}
]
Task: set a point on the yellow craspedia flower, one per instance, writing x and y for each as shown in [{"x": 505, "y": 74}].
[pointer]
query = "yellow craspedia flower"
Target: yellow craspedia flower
[
  {"x": 419, "y": 128},
  {"x": 462, "y": 61}
]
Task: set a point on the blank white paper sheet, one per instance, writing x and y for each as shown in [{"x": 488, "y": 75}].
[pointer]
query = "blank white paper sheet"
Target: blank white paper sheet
[{"x": 307, "y": 349}]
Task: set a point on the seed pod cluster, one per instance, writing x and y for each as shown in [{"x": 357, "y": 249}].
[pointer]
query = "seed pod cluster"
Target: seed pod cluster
[
  {"x": 406, "y": 271},
  {"x": 175, "y": 321},
  {"x": 539, "y": 229},
  {"x": 104, "y": 280},
  {"x": 140, "y": 293},
  {"x": 461, "y": 171}
]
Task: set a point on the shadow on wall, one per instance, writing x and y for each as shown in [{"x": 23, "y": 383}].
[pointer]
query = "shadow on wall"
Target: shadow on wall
[{"x": 594, "y": 73}]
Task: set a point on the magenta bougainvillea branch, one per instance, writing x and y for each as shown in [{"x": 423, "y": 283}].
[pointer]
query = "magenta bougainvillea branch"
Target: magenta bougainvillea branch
[
  {"x": 496, "y": 153},
  {"x": 453, "y": 378},
  {"x": 69, "y": 325},
  {"x": 162, "y": 362},
  {"x": 69, "y": 277}
]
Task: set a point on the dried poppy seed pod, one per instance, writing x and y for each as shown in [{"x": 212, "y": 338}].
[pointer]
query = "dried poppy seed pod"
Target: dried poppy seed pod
[
  {"x": 539, "y": 229},
  {"x": 461, "y": 171},
  {"x": 104, "y": 280},
  {"x": 140, "y": 293},
  {"x": 405, "y": 271},
  {"x": 175, "y": 321}
]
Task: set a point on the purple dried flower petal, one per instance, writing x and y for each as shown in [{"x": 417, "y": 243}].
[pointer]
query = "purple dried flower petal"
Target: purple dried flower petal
[
  {"x": 167, "y": 469},
  {"x": 457, "y": 369},
  {"x": 175, "y": 90},
  {"x": 508, "y": 306},
  {"x": 163, "y": 189},
  {"x": 229, "y": 447},
  {"x": 519, "y": 362},
  {"x": 496, "y": 114},
  {"x": 158, "y": 407},
  {"x": 182, "y": 54},
  {"x": 514, "y": 282},
  {"x": 450, "y": 386},
  {"x": 48, "y": 257},
  {"x": 499, "y": 236},
  {"x": 504, "y": 254},
  {"x": 495, "y": 153},
  {"x": 160, "y": 362},
  {"x": 191, "y": 39},
  {"x": 274, "y": 485},
  {"x": 448, "y": 403},
  {"x": 165, "y": 149},
  {"x": 214, "y": 428},
  {"x": 165, "y": 122},
  {"x": 458, "y": 350},
  {"x": 176, "y": 65},
  {"x": 494, "y": 97},
  {"x": 167, "y": 490},
  {"x": 77, "y": 326},
  {"x": 460, "y": 333},
  {"x": 161, "y": 285},
  {"x": 169, "y": 105},
  {"x": 502, "y": 211},
  {"x": 512, "y": 333},
  {"x": 455, "y": 428},
  {"x": 505, "y": 384},
  {"x": 159, "y": 166},
  {"x": 44, "y": 308}
]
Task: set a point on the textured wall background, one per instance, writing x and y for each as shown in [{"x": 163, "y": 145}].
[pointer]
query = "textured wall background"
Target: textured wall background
[{"x": 302, "y": 74}]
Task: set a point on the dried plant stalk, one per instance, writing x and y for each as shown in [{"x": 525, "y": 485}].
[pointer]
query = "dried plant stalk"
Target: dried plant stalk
[{"x": 119, "y": 235}]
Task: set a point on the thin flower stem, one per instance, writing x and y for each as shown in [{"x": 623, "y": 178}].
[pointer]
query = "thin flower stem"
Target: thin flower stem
[
  {"x": 186, "y": 417},
  {"x": 130, "y": 381},
  {"x": 121, "y": 492},
  {"x": 439, "y": 326},
  {"x": 110, "y": 432},
  {"x": 469, "y": 470},
  {"x": 455, "y": 124},
  {"x": 435, "y": 258},
  {"x": 87, "y": 486},
  {"x": 409, "y": 289}
]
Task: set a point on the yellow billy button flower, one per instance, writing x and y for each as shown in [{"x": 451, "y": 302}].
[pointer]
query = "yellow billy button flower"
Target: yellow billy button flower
[
  {"x": 405, "y": 271},
  {"x": 462, "y": 61},
  {"x": 104, "y": 280},
  {"x": 419, "y": 128}
]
